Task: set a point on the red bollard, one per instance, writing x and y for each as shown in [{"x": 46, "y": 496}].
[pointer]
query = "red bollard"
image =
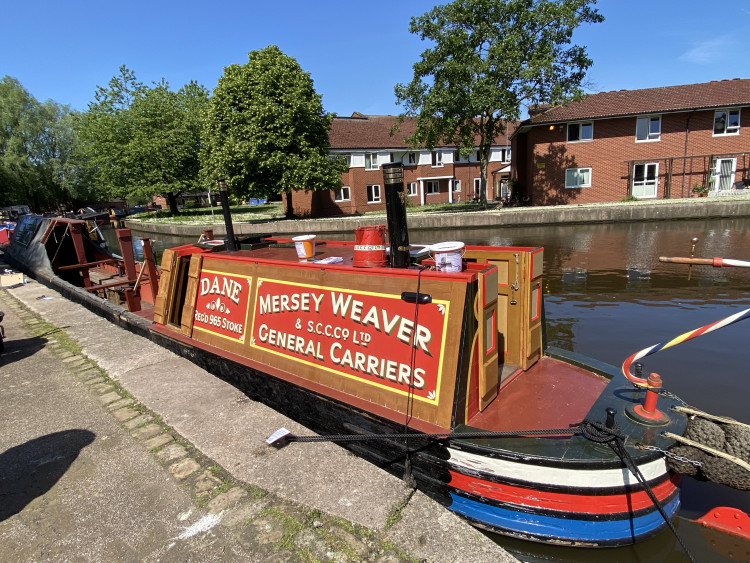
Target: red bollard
[
  {"x": 649, "y": 403},
  {"x": 647, "y": 413}
]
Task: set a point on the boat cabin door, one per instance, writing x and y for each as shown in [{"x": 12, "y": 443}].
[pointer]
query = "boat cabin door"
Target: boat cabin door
[
  {"x": 517, "y": 300},
  {"x": 168, "y": 308}
]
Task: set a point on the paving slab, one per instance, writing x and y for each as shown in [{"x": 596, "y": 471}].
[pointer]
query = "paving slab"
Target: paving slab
[{"x": 427, "y": 542}]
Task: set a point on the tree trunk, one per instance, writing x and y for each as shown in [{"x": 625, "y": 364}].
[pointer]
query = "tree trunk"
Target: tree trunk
[
  {"x": 483, "y": 161},
  {"x": 172, "y": 202},
  {"x": 289, "y": 205}
]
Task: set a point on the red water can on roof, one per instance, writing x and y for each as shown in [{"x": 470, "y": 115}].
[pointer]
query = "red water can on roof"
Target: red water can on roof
[{"x": 369, "y": 247}]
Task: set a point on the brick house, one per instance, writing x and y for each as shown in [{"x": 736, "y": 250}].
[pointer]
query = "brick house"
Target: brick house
[
  {"x": 651, "y": 143},
  {"x": 440, "y": 175}
]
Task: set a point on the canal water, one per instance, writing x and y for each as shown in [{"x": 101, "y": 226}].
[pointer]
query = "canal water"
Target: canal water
[{"x": 607, "y": 296}]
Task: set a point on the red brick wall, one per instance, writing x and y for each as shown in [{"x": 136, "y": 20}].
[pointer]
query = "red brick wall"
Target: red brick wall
[
  {"x": 321, "y": 204},
  {"x": 543, "y": 173}
]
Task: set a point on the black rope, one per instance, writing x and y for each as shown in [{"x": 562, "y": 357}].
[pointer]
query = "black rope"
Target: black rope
[
  {"x": 408, "y": 475},
  {"x": 481, "y": 434},
  {"x": 600, "y": 433}
]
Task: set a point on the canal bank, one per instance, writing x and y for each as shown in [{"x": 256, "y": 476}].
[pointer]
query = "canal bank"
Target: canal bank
[
  {"x": 250, "y": 502},
  {"x": 619, "y": 212}
]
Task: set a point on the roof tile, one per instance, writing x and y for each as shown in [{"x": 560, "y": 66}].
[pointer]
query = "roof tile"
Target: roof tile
[
  {"x": 716, "y": 94},
  {"x": 373, "y": 132}
]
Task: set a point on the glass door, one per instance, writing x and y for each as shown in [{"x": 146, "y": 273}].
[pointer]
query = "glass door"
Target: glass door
[
  {"x": 645, "y": 178},
  {"x": 723, "y": 174}
]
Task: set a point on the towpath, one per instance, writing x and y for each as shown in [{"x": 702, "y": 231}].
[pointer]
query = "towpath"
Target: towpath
[{"x": 114, "y": 449}]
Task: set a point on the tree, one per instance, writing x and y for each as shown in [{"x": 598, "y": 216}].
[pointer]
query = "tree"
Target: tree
[
  {"x": 265, "y": 130},
  {"x": 104, "y": 133},
  {"x": 138, "y": 140},
  {"x": 36, "y": 140},
  {"x": 164, "y": 148},
  {"x": 489, "y": 59}
]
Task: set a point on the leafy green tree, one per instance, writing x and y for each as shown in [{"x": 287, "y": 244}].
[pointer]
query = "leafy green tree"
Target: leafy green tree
[
  {"x": 104, "y": 133},
  {"x": 265, "y": 130},
  {"x": 36, "y": 140},
  {"x": 163, "y": 151},
  {"x": 489, "y": 59},
  {"x": 138, "y": 141}
]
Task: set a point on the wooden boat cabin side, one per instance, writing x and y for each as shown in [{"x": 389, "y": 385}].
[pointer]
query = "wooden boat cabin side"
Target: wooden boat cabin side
[{"x": 384, "y": 340}]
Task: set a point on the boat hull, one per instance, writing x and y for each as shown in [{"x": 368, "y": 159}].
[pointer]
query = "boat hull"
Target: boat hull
[
  {"x": 588, "y": 500},
  {"x": 580, "y": 504}
]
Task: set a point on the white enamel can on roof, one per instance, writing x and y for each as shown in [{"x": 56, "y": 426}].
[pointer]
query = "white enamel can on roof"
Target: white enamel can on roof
[{"x": 448, "y": 256}]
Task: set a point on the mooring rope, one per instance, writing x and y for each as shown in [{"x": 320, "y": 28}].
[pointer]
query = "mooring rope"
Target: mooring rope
[
  {"x": 618, "y": 447},
  {"x": 724, "y": 419},
  {"x": 408, "y": 475},
  {"x": 737, "y": 317},
  {"x": 278, "y": 438}
]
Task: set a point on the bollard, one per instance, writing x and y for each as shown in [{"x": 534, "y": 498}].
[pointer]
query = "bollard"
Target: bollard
[{"x": 647, "y": 413}]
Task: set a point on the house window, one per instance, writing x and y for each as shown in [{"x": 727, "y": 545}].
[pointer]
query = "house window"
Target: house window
[
  {"x": 457, "y": 185},
  {"x": 432, "y": 187},
  {"x": 582, "y": 131},
  {"x": 412, "y": 158},
  {"x": 648, "y": 128},
  {"x": 505, "y": 155},
  {"x": 578, "y": 177},
  {"x": 371, "y": 161},
  {"x": 373, "y": 193},
  {"x": 727, "y": 122},
  {"x": 411, "y": 188},
  {"x": 437, "y": 158},
  {"x": 342, "y": 194}
]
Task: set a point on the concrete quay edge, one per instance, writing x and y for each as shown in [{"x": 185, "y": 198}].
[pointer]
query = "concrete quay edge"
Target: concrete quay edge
[
  {"x": 230, "y": 429},
  {"x": 657, "y": 210}
]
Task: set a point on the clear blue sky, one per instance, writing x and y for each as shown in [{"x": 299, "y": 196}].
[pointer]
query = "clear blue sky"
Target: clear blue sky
[{"x": 355, "y": 51}]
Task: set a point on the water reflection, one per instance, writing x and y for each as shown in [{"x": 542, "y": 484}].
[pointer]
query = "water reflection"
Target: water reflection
[{"x": 608, "y": 296}]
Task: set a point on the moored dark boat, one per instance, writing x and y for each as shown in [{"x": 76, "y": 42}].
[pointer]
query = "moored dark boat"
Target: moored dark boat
[
  {"x": 418, "y": 353},
  {"x": 74, "y": 250}
]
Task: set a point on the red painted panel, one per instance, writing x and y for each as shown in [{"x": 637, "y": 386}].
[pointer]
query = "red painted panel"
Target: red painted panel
[
  {"x": 221, "y": 304},
  {"x": 361, "y": 335},
  {"x": 582, "y": 503}
]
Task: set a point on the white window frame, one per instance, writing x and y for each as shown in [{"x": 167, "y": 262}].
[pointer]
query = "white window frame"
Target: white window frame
[
  {"x": 371, "y": 161},
  {"x": 650, "y": 136},
  {"x": 505, "y": 155},
  {"x": 437, "y": 159},
  {"x": 373, "y": 193},
  {"x": 580, "y": 138},
  {"x": 344, "y": 193},
  {"x": 645, "y": 182},
  {"x": 728, "y": 130},
  {"x": 411, "y": 158},
  {"x": 456, "y": 185},
  {"x": 578, "y": 184},
  {"x": 428, "y": 187},
  {"x": 477, "y": 187},
  {"x": 411, "y": 189}
]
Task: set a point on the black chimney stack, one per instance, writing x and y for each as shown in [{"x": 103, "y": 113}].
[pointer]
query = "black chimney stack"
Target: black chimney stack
[
  {"x": 230, "y": 242},
  {"x": 395, "y": 207}
]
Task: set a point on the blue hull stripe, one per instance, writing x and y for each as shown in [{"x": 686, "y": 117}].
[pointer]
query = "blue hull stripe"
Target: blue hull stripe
[{"x": 608, "y": 531}]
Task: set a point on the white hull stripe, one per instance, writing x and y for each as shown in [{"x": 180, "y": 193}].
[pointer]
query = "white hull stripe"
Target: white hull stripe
[{"x": 555, "y": 476}]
